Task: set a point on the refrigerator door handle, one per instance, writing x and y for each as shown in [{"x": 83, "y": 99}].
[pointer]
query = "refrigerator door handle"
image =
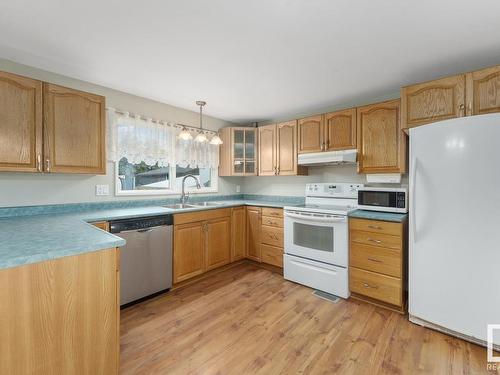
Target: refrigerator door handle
[{"x": 413, "y": 174}]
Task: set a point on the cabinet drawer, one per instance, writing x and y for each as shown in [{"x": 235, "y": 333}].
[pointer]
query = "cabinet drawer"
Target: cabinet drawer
[
  {"x": 376, "y": 239},
  {"x": 376, "y": 226},
  {"x": 377, "y": 286},
  {"x": 376, "y": 259},
  {"x": 272, "y": 221},
  {"x": 273, "y": 212},
  {"x": 272, "y": 255},
  {"x": 272, "y": 236}
]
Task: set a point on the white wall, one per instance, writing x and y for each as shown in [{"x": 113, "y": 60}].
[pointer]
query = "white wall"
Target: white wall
[
  {"x": 295, "y": 185},
  {"x": 21, "y": 189}
]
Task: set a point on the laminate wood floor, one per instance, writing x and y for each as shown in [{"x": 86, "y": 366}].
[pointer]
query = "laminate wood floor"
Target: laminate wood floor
[{"x": 248, "y": 320}]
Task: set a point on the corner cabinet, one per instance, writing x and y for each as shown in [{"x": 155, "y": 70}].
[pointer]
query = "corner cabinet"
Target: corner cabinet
[
  {"x": 238, "y": 233},
  {"x": 49, "y": 128},
  {"x": 74, "y": 131},
  {"x": 238, "y": 152},
  {"x": 381, "y": 143},
  {"x": 278, "y": 150},
  {"x": 254, "y": 233}
]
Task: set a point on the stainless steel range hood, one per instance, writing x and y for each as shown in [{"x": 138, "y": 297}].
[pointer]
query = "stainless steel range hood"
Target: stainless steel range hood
[{"x": 328, "y": 158}]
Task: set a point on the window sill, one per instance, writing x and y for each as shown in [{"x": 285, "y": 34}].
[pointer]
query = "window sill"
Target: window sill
[{"x": 135, "y": 193}]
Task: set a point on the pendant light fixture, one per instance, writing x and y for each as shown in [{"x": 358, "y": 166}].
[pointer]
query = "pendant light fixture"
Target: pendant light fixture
[
  {"x": 216, "y": 140},
  {"x": 185, "y": 134},
  {"x": 201, "y": 137}
]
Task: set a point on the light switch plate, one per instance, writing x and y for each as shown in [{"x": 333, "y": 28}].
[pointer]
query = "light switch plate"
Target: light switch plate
[
  {"x": 238, "y": 188},
  {"x": 102, "y": 190}
]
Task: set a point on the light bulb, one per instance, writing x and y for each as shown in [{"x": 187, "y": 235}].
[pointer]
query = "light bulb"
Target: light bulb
[
  {"x": 216, "y": 140},
  {"x": 185, "y": 135},
  {"x": 201, "y": 137}
]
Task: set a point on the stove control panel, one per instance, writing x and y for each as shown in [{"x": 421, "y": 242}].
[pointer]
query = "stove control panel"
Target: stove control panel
[{"x": 334, "y": 190}]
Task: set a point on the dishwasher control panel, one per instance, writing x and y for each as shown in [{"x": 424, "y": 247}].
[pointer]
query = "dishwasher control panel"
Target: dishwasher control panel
[{"x": 139, "y": 223}]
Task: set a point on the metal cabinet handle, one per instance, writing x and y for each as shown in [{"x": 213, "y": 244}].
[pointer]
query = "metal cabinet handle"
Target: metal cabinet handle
[
  {"x": 470, "y": 108},
  {"x": 39, "y": 162},
  {"x": 374, "y": 227},
  {"x": 372, "y": 240},
  {"x": 47, "y": 165},
  {"x": 278, "y": 172},
  {"x": 461, "y": 108},
  {"x": 274, "y": 214},
  {"x": 375, "y": 260},
  {"x": 366, "y": 285}
]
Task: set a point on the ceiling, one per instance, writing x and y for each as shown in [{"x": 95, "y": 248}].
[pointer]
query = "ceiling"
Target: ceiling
[{"x": 253, "y": 60}]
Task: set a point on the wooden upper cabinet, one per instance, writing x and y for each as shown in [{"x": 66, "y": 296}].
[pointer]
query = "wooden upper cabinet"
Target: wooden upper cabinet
[
  {"x": 310, "y": 132},
  {"x": 287, "y": 148},
  {"x": 238, "y": 152},
  {"x": 75, "y": 130},
  {"x": 238, "y": 233},
  {"x": 267, "y": 150},
  {"x": 20, "y": 123},
  {"x": 253, "y": 233},
  {"x": 381, "y": 143},
  {"x": 433, "y": 101},
  {"x": 189, "y": 250},
  {"x": 483, "y": 91},
  {"x": 340, "y": 130}
]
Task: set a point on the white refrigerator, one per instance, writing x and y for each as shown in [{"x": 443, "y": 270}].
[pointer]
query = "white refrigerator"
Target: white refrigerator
[{"x": 454, "y": 226}]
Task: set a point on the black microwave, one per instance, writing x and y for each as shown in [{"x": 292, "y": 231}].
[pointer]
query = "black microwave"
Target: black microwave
[{"x": 383, "y": 199}]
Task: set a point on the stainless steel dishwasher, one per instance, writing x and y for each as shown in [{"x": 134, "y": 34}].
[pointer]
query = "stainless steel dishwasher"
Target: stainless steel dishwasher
[{"x": 146, "y": 259}]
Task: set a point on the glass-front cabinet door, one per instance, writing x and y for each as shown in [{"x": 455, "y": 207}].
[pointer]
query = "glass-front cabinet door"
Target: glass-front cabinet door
[{"x": 244, "y": 151}]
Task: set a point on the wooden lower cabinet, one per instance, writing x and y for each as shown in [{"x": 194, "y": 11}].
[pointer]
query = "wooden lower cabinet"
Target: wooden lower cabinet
[
  {"x": 272, "y": 237},
  {"x": 206, "y": 240},
  {"x": 238, "y": 233},
  {"x": 189, "y": 251},
  {"x": 104, "y": 225},
  {"x": 61, "y": 316},
  {"x": 377, "y": 286},
  {"x": 218, "y": 242},
  {"x": 272, "y": 255},
  {"x": 202, "y": 242},
  {"x": 377, "y": 262},
  {"x": 253, "y": 233}
]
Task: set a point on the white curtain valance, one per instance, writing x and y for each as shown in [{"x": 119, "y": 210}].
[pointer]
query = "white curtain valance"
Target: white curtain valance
[
  {"x": 196, "y": 154},
  {"x": 140, "y": 139}
]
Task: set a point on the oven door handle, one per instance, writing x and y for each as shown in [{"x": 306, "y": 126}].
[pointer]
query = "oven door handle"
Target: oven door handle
[{"x": 319, "y": 219}]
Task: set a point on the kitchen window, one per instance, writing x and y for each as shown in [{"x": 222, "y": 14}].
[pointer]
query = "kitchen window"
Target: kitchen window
[{"x": 150, "y": 159}]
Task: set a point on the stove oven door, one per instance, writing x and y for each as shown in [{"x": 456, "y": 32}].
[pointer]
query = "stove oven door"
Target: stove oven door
[{"x": 317, "y": 236}]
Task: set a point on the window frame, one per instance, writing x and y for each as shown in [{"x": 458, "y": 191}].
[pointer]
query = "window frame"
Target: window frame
[{"x": 170, "y": 191}]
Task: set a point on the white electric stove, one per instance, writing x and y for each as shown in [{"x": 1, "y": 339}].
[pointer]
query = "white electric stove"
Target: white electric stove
[{"x": 317, "y": 237}]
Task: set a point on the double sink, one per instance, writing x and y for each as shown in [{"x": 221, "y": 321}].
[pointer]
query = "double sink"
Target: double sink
[{"x": 178, "y": 206}]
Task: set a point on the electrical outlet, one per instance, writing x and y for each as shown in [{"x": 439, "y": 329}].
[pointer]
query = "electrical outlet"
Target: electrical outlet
[
  {"x": 238, "y": 188},
  {"x": 102, "y": 190}
]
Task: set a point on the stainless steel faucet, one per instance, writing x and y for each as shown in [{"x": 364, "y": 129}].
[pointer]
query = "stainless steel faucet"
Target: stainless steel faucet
[{"x": 184, "y": 196}]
